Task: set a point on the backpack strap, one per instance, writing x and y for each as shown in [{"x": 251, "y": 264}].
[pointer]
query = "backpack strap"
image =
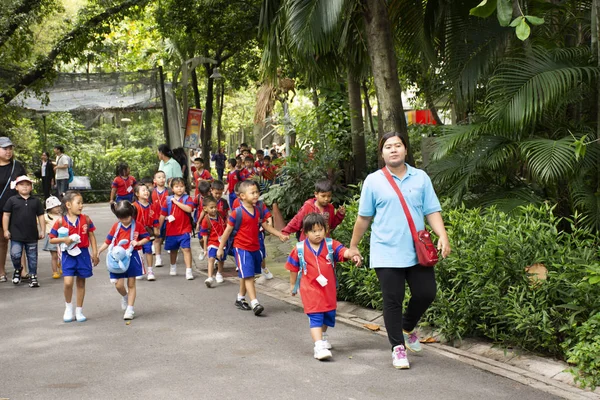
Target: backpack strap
[
  {"x": 329, "y": 243},
  {"x": 236, "y": 227},
  {"x": 302, "y": 265}
]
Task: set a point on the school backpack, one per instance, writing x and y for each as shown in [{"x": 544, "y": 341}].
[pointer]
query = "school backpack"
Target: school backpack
[
  {"x": 302, "y": 261},
  {"x": 117, "y": 258},
  {"x": 183, "y": 199},
  {"x": 238, "y": 223}
]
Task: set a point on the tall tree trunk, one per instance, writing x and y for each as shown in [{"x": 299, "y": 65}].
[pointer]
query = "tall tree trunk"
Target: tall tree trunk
[
  {"x": 368, "y": 109},
  {"x": 434, "y": 112},
  {"x": 208, "y": 113},
  {"x": 385, "y": 69},
  {"x": 195, "y": 88},
  {"x": 219, "y": 122},
  {"x": 357, "y": 125}
]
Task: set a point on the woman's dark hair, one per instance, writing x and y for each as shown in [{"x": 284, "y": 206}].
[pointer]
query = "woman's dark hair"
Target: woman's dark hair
[
  {"x": 46, "y": 153},
  {"x": 166, "y": 150},
  {"x": 67, "y": 198},
  {"x": 387, "y": 136},
  {"x": 124, "y": 209},
  {"x": 312, "y": 219},
  {"x": 323, "y": 186},
  {"x": 176, "y": 180},
  {"x": 180, "y": 156},
  {"x": 217, "y": 185},
  {"x": 121, "y": 168}
]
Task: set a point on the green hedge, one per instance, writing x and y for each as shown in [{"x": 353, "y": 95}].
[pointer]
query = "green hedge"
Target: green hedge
[{"x": 484, "y": 290}]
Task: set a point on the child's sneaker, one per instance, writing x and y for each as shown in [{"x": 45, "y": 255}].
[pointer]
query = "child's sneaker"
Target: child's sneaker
[
  {"x": 209, "y": 282},
  {"x": 188, "y": 274},
  {"x": 326, "y": 341},
  {"x": 151, "y": 276},
  {"x": 173, "y": 270},
  {"x": 219, "y": 278},
  {"x": 411, "y": 341},
  {"x": 201, "y": 255},
  {"x": 129, "y": 313},
  {"x": 80, "y": 317},
  {"x": 242, "y": 305},
  {"x": 158, "y": 263},
  {"x": 16, "y": 277},
  {"x": 55, "y": 275},
  {"x": 399, "y": 359},
  {"x": 258, "y": 309},
  {"x": 321, "y": 353},
  {"x": 33, "y": 281},
  {"x": 3, "y": 278},
  {"x": 124, "y": 301},
  {"x": 69, "y": 315},
  {"x": 266, "y": 273}
]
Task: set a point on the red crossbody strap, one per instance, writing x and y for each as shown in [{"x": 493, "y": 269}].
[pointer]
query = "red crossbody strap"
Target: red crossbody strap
[{"x": 411, "y": 223}]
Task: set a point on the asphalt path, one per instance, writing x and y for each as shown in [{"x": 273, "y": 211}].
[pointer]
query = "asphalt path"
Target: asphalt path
[{"x": 191, "y": 342}]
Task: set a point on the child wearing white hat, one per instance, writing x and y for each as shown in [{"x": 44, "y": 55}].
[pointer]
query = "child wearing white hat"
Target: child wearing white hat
[{"x": 53, "y": 214}]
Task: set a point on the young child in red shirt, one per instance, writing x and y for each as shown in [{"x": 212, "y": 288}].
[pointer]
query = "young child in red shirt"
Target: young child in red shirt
[
  {"x": 123, "y": 184},
  {"x": 321, "y": 204},
  {"x": 233, "y": 177},
  {"x": 246, "y": 246},
  {"x": 317, "y": 279},
  {"x": 201, "y": 174},
  {"x": 147, "y": 215},
  {"x": 212, "y": 229},
  {"x": 216, "y": 190},
  {"x": 159, "y": 197},
  {"x": 176, "y": 213},
  {"x": 268, "y": 170},
  {"x": 249, "y": 171}
]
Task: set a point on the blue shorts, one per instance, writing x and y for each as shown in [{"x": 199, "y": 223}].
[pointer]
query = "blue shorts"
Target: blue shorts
[
  {"x": 232, "y": 197},
  {"x": 319, "y": 319},
  {"x": 248, "y": 262},
  {"x": 212, "y": 253},
  {"x": 261, "y": 241},
  {"x": 177, "y": 242},
  {"x": 128, "y": 197},
  {"x": 135, "y": 268},
  {"x": 80, "y": 266},
  {"x": 147, "y": 248}
]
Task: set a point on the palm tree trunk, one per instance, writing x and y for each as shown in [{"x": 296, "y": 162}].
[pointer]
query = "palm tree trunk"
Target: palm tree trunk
[
  {"x": 385, "y": 69},
  {"x": 208, "y": 113},
  {"x": 221, "y": 96},
  {"x": 358, "y": 128},
  {"x": 368, "y": 109}
]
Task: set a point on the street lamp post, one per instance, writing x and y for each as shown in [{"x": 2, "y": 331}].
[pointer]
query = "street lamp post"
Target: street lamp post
[{"x": 220, "y": 79}]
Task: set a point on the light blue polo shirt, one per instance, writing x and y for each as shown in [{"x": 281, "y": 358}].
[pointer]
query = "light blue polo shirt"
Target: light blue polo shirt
[
  {"x": 391, "y": 241},
  {"x": 171, "y": 168}
]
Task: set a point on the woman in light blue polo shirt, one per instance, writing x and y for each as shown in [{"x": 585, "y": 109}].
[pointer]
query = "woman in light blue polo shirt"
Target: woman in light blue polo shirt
[
  {"x": 392, "y": 253},
  {"x": 168, "y": 164}
]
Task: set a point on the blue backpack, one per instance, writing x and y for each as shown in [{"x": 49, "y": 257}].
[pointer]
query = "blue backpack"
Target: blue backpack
[
  {"x": 303, "y": 270},
  {"x": 238, "y": 223}
]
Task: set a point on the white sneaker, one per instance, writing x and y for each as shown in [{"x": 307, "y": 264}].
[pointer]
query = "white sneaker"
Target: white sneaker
[
  {"x": 80, "y": 317},
  {"x": 219, "y": 278},
  {"x": 209, "y": 282},
  {"x": 173, "y": 270},
  {"x": 128, "y": 315},
  {"x": 69, "y": 314},
  {"x": 266, "y": 273},
  {"x": 201, "y": 255},
  {"x": 188, "y": 274},
  {"x": 151, "y": 276},
  {"x": 326, "y": 341},
  {"x": 139, "y": 277},
  {"x": 124, "y": 301},
  {"x": 158, "y": 262},
  {"x": 399, "y": 359},
  {"x": 153, "y": 250},
  {"x": 321, "y": 353}
]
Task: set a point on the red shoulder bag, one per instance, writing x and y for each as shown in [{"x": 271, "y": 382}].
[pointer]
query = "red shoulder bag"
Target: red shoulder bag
[{"x": 427, "y": 254}]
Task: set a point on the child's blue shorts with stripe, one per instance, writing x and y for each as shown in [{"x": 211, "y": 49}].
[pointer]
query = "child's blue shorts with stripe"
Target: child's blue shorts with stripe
[
  {"x": 212, "y": 253},
  {"x": 80, "y": 265},
  {"x": 248, "y": 262},
  {"x": 177, "y": 242},
  {"x": 135, "y": 268},
  {"x": 319, "y": 319}
]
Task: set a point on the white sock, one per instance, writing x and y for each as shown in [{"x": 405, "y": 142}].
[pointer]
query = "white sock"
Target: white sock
[
  {"x": 173, "y": 265},
  {"x": 158, "y": 259},
  {"x": 150, "y": 270},
  {"x": 129, "y": 309},
  {"x": 69, "y": 306},
  {"x": 79, "y": 310},
  {"x": 188, "y": 270},
  {"x": 240, "y": 297},
  {"x": 254, "y": 302},
  {"x": 125, "y": 297}
]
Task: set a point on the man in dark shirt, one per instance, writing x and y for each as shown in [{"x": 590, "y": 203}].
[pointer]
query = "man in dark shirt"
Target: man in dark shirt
[
  {"x": 22, "y": 213},
  {"x": 219, "y": 160}
]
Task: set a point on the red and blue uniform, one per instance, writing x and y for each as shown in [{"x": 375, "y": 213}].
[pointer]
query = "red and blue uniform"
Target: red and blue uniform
[
  {"x": 160, "y": 199},
  {"x": 80, "y": 265},
  {"x": 147, "y": 216},
  {"x": 178, "y": 231},
  {"x": 233, "y": 177},
  {"x": 223, "y": 208},
  {"x": 136, "y": 267},
  {"x": 213, "y": 228},
  {"x": 247, "y": 173},
  {"x": 203, "y": 176},
  {"x": 246, "y": 242},
  {"x": 124, "y": 186}
]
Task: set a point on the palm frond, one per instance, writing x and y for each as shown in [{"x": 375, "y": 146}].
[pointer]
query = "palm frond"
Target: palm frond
[
  {"x": 509, "y": 200},
  {"x": 549, "y": 160},
  {"x": 586, "y": 199}
]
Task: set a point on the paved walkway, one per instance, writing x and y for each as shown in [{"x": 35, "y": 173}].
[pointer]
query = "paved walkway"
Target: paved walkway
[{"x": 190, "y": 342}]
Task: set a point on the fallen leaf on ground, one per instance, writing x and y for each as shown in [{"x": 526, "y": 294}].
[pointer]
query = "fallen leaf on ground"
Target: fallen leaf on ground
[
  {"x": 372, "y": 327},
  {"x": 429, "y": 339},
  {"x": 128, "y": 323}
]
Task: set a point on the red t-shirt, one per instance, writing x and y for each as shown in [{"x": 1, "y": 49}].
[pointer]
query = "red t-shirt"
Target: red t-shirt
[
  {"x": 315, "y": 297},
  {"x": 81, "y": 229},
  {"x": 236, "y": 203},
  {"x": 199, "y": 206},
  {"x": 215, "y": 230},
  {"x": 247, "y": 173},
  {"x": 247, "y": 236},
  {"x": 124, "y": 186},
  {"x": 223, "y": 208},
  {"x": 232, "y": 179},
  {"x": 125, "y": 233},
  {"x": 160, "y": 198},
  {"x": 205, "y": 176},
  {"x": 181, "y": 225},
  {"x": 147, "y": 215},
  {"x": 269, "y": 172},
  {"x": 259, "y": 165}
]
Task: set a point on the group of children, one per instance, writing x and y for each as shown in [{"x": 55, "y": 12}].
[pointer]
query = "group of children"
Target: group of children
[{"x": 148, "y": 212}]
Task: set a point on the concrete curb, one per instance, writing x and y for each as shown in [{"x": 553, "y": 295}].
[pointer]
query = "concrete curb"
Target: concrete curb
[{"x": 540, "y": 373}]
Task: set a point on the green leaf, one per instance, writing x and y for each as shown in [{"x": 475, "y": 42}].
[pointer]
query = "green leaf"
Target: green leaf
[
  {"x": 594, "y": 280},
  {"x": 523, "y": 30},
  {"x": 505, "y": 12},
  {"x": 484, "y": 9},
  {"x": 534, "y": 20},
  {"x": 516, "y": 22},
  {"x": 580, "y": 147}
]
